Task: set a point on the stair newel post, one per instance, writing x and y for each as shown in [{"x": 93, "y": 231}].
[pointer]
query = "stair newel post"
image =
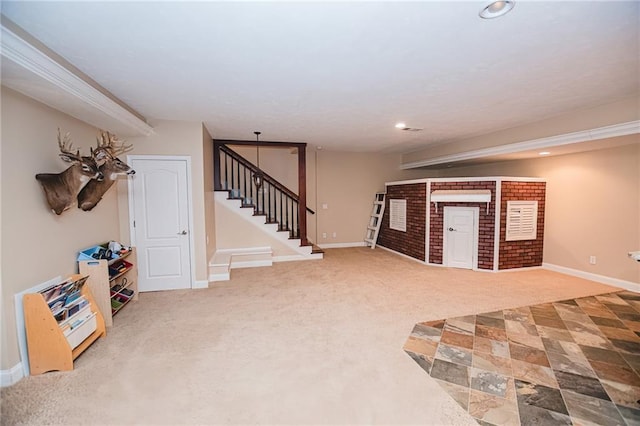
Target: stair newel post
[
  {"x": 216, "y": 166},
  {"x": 302, "y": 197}
]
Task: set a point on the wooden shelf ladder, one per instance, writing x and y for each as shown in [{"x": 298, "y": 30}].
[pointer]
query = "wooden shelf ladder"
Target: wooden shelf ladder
[{"x": 376, "y": 220}]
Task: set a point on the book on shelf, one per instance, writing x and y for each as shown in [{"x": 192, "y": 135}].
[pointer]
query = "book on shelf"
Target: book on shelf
[{"x": 64, "y": 299}]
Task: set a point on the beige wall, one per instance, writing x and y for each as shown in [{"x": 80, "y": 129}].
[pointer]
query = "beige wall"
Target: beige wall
[
  {"x": 179, "y": 138},
  {"x": 593, "y": 206},
  {"x": 347, "y": 182},
  {"x": 622, "y": 111},
  {"x": 36, "y": 244}
]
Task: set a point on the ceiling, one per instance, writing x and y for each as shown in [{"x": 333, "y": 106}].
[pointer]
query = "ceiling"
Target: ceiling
[{"x": 341, "y": 74}]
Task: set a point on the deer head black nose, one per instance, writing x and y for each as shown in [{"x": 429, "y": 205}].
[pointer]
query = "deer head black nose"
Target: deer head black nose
[
  {"x": 99, "y": 177},
  {"x": 131, "y": 172}
]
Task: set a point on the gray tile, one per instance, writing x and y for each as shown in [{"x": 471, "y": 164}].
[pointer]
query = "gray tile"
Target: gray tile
[
  {"x": 533, "y": 416},
  {"x": 591, "y": 409},
  {"x": 489, "y": 382},
  {"x": 580, "y": 384},
  {"x": 576, "y": 364},
  {"x": 454, "y": 354},
  {"x": 540, "y": 396},
  {"x": 450, "y": 372},
  {"x": 631, "y": 415},
  {"x": 422, "y": 360}
]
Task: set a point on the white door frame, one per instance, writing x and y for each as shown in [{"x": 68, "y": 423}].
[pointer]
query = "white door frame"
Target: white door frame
[
  {"x": 476, "y": 227},
  {"x": 132, "y": 231}
]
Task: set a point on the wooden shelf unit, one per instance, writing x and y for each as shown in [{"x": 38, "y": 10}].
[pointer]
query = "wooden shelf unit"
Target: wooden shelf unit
[
  {"x": 101, "y": 282},
  {"x": 49, "y": 349}
]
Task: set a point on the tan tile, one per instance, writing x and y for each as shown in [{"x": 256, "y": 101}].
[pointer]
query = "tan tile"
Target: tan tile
[
  {"x": 491, "y": 333},
  {"x": 620, "y": 334},
  {"x": 520, "y": 328},
  {"x": 554, "y": 333},
  {"x": 528, "y": 354},
  {"x": 490, "y": 362},
  {"x": 493, "y": 347},
  {"x": 460, "y": 394},
  {"x": 421, "y": 346},
  {"x": 522, "y": 314},
  {"x": 493, "y": 409},
  {"x": 622, "y": 394},
  {"x": 526, "y": 340},
  {"x": 533, "y": 373},
  {"x": 460, "y": 325},
  {"x": 632, "y": 325}
]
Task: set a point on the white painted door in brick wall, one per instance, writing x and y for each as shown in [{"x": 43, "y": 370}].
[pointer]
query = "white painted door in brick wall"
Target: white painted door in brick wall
[{"x": 460, "y": 239}]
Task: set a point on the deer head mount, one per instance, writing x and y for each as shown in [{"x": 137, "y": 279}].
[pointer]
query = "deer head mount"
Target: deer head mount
[
  {"x": 109, "y": 146},
  {"x": 61, "y": 189}
]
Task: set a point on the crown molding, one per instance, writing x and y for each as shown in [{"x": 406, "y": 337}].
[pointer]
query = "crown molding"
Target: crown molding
[
  {"x": 622, "y": 129},
  {"x": 28, "y": 55}
]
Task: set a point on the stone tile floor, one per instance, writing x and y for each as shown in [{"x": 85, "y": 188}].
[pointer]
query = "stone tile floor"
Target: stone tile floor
[{"x": 569, "y": 362}]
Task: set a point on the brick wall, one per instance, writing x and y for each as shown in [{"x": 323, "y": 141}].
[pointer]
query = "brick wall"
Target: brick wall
[
  {"x": 411, "y": 242},
  {"x": 487, "y": 222},
  {"x": 521, "y": 254}
]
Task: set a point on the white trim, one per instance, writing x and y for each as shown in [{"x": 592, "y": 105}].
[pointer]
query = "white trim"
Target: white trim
[
  {"x": 407, "y": 182},
  {"x": 496, "y": 221},
  {"x": 427, "y": 233},
  {"x": 628, "y": 285},
  {"x": 342, "y": 245},
  {"x": 250, "y": 263},
  {"x": 621, "y": 129},
  {"x": 461, "y": 196},
  {"x": 11, "y": 376},
  {"x": 20, "y": 326},
  {"x": 31, "y": 58},
  {"x": 297, "y": 257},
  {"x": 132, "y": 233},
  {"x": 467, "y": 179},
  {"x": 402, "y": 255},
  {"x": 489, "y": 178},
  {"x": 224, "y": 276},
  {"x": 200, "y": 284},
  {"x": 526, "y": 268}
]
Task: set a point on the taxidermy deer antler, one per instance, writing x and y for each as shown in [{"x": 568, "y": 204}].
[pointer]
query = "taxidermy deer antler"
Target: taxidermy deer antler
[
  {"x": 108, "y": 147},
  {"x": 61, "y": 189}
]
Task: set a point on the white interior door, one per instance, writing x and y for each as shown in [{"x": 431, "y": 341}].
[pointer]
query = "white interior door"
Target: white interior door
[
  {"x": 161, "y": 218},
  {"x": 460, "y": 237}
]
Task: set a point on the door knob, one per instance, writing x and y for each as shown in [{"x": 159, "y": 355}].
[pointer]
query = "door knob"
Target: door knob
[
  {"x": 184, "y": 232},
  {"x": 451, "y": 229}
]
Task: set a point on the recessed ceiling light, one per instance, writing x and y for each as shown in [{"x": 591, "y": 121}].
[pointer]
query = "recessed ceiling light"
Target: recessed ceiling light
[
  {"x": 493, "y": 9},
  {"x": 403, "y": 126},
  {"x": 544, "y": 153}
]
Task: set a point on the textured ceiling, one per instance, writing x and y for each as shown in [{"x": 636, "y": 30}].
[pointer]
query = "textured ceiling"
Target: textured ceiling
[{"x": 340, "y": 74}]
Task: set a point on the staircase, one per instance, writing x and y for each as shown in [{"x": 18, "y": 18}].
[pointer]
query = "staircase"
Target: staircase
[{"x": 270, "y": 211}]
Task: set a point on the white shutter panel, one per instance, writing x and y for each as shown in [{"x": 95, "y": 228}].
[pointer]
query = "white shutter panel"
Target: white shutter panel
[
  {"x": 522, "y": 220},
  {"x": 398, "y": 215}
]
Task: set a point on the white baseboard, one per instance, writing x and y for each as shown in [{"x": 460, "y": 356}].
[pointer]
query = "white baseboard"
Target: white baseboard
[
  {"x": 235, "y": 264},
  {"x": 219, "y": 277},
  {"x": 11, "y": 376},
  {"x": 627, "y": 285},
  {"x": 200, "y": 284},
  {"x": 341, "y": 245},
  {"x": 405, "y": 256}
]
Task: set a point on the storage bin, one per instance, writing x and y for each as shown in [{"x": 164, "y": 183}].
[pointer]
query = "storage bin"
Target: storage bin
[{"x": 82, "y": 331}]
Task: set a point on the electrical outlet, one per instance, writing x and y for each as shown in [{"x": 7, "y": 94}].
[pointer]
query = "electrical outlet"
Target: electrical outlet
[
  {"x": 325, "y": 206},
  {"x": 324, "y": 235},
  {"x": 592, "y": 260},
  {"x": 335, "y": 234},
  {"x": 207, "y": 239}
]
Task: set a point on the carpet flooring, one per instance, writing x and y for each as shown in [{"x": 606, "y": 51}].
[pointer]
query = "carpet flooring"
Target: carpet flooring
[
  {"x": 298, "y": 343},
  {"x": 575, "y": 361}
]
